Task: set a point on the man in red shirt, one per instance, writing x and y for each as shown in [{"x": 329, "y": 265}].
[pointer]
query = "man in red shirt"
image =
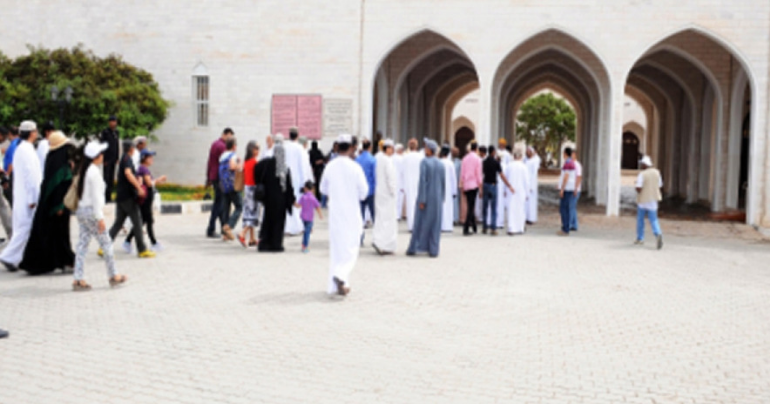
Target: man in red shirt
[{"x": 212, "y": 178}]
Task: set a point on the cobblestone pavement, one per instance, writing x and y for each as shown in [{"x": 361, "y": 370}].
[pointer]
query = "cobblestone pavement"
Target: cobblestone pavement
[{"x": 526, "y": 319}]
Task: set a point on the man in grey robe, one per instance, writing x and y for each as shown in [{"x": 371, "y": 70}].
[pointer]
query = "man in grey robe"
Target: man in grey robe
[{"x": 426, "y": 232}]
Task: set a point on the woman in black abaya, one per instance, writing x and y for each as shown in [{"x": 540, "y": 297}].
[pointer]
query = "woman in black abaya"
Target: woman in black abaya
[
  {"x": 49, "y": 246},
  {"x": 279, "y": 198}
]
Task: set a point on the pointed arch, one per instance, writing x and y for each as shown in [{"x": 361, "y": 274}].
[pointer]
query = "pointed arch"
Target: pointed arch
[{"x": 416, "y": 69}]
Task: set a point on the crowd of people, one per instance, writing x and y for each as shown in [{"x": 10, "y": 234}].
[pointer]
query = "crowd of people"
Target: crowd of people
[
  {"x": 280, "y": 191},
  {"x": 378, "y": 184},
  {"x": 47, "y": 177}
]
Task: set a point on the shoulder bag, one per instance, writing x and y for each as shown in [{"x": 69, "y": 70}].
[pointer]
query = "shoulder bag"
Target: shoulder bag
[{"x": 71, "y": 199}]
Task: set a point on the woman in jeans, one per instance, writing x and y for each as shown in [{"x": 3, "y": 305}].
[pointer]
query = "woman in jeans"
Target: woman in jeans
[{"x": 90, "y": 214}]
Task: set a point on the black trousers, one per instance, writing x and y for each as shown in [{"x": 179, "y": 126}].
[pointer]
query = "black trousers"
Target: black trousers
[
  {"x": 147, "y": 219},
  {"x": 109, "y": 180},
  {"x": 470, "y": 214},
  {"x": 129, "y": 209},
  {"x": 8, "y": 192}
]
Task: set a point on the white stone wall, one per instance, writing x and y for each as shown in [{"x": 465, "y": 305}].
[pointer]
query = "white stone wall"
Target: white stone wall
[{"x": 254, "y": 49}]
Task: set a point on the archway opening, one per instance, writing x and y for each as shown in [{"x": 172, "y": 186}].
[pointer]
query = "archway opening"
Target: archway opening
[
  {"x": 558, "y": 62},
  {"x": 630, "y": 158},
  {"x": 699, "y": 95},
  {"x": 546, "y": 120},
  {"x": 462, "y": 138},
  {"x": 743, "y": 182},
  {"x": 417, "y": 85}
]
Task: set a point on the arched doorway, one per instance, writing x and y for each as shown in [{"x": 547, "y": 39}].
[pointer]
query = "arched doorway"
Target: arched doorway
[
  {"x": 630, "y": 159},
  {"x": 701, "y": 92},
  {"x": 463, "y": 136},
  {"x": 556, "y": 61},
  {"x": 743, "y": 183},
  {"x": 413, "y": 83}
]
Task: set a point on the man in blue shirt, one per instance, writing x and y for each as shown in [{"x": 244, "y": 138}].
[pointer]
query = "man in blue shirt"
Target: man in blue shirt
[
  {"x": 8, "y": 158},
  {"x": 13, "y": 139},
  {"x": 369, "y": 165}
]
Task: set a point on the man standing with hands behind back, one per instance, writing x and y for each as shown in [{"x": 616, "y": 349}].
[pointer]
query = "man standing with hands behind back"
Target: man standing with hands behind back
[{"x": 110, "y": 136}]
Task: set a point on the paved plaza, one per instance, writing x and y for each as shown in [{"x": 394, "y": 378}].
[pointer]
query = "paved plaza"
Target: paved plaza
[{"x": 527, "y": 319}]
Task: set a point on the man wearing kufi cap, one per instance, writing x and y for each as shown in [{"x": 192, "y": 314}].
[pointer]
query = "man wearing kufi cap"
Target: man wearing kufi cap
[
  {"x": 648, "y": 193},
  {"x": 385, "y": 232},
  {"x": 27, "y": 176},
  {"x": 426, "y": 233},
  {"x": 345, "y": 185},
  {"x": 516, "y": 203}
]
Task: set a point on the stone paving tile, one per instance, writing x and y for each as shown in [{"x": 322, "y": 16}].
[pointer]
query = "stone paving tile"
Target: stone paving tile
[{"x": 526, "y": 319}]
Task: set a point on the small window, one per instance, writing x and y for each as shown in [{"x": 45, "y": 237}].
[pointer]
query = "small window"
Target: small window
[{"x": 201, "y": 90}]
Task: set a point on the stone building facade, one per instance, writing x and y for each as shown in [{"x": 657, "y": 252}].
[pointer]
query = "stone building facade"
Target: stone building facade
[{"x": 699, "y": 70}]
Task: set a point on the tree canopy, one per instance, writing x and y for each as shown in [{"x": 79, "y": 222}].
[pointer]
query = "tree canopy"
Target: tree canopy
[
  {"x": 545, "y": 122},
  {"x": 100, "y": 87}
]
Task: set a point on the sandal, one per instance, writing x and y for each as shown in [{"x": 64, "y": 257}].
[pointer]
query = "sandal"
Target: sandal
[
  {"x": 242, "y": 240},
  {"x": 253, "y": 243},
  {"x": 117, "y": 280},
  {"x": 80, "y": 286}
]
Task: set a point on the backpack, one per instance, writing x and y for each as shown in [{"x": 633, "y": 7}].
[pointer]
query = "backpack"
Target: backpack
[{"x": 226, "y": 175}]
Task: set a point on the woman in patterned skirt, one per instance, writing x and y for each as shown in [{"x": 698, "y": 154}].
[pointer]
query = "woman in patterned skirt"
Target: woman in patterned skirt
[{"x": 250, "y": 205}]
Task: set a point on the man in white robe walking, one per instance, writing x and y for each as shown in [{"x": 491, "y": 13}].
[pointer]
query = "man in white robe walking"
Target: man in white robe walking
[
  {"x": 27, "y": 177},
  {"x": 533, "y": 166},
  {"x": 412, "y": 161},
  {"x": 385, "y": 232},
  {"x": 518, "y": 176},
  {"x": 345, "y": 184},
  {"x": 398, "y": 163},
  {"x": 299, "y": 165},
  {"x": 450, "y": 191}
]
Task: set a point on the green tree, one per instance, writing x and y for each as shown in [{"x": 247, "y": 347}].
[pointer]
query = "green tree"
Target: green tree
[
  {"x": 101, "y": 87},
  {"x": 545, "y": 122}
]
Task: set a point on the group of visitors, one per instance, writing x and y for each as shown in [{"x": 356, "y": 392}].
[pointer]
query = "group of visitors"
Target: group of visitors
[
  {"x": 47, "y": 178},
  {"x": 386, "y": 183},
  {"x": 278, "y": 191}
]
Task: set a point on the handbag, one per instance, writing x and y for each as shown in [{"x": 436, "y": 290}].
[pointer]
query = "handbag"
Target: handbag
[
  {"x": 238, "y": 181},
  {"x": 71, "y": 199}
]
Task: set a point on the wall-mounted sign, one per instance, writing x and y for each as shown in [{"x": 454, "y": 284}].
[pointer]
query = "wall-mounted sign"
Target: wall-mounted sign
[
  {"x": 303, "y": 111},
  {"x": 338, "y": 116}
]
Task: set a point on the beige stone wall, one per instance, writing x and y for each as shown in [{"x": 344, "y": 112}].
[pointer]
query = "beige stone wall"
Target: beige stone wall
[{"x": 253, "y": 50}]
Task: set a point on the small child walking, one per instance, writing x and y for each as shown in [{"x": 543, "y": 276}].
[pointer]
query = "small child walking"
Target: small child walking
[{"x": 308, "y": 202}]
